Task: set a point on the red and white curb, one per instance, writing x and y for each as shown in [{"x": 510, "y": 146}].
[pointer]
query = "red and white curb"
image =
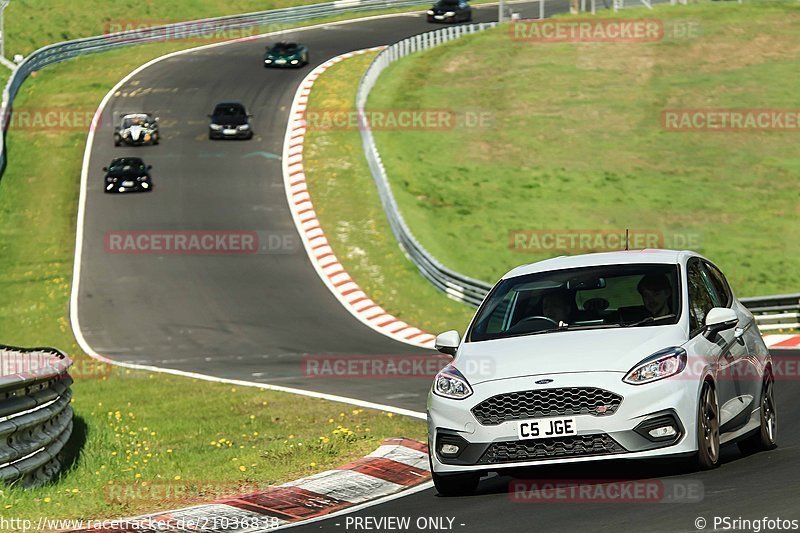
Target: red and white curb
[
  {"x": 786, "y": 342},
  {"x": 317, "y": 246},
  {"x": 397, "y": 465}
]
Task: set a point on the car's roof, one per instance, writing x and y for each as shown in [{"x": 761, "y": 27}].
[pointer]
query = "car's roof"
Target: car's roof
[
  {"x": 135, "y": 115},
  {"x": 229, "y": 103},
  {"x": 626, "y": 257},
  {"x": 130, "y": 160},
  {"x": 286, "y": 43}
]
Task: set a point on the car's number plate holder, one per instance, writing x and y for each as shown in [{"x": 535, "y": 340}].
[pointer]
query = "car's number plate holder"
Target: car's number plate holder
[{"x": 546, "y": 428}]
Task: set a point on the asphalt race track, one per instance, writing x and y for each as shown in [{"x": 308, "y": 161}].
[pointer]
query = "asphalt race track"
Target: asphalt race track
[{"x": 255, "y": 317}]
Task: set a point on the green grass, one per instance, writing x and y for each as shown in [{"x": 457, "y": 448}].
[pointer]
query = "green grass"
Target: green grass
[
  {"x": 38, "y": 205},
  {"x": 205, "y": 440},
  {"x": 576, "y": 143},
  {"x": 348, "y": 206}
]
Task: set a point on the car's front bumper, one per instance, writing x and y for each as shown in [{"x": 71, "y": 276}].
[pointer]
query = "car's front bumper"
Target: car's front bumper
[
  {"x": 286, "y": 64},
  {"x": 227, "y": 134},
  {"x": 607, "y": 436},
  {"x": 442, "y": 18},
  {"x": 137, "y": 186}
]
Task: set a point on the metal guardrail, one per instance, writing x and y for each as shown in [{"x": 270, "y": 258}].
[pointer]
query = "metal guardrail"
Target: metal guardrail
[
  {"x": 781, "y": 311},
  {"x": 35, "y": 413},
  {"x": 58, "y": 52}
]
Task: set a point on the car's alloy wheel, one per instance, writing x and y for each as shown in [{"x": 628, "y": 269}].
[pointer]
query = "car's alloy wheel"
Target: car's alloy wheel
[
  {"x": 766, "y": 436},
  {"x": 708, "y": 428}
]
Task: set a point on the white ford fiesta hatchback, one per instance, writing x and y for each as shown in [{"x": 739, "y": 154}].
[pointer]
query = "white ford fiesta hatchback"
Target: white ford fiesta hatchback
[{"x": 635, "y": 354}]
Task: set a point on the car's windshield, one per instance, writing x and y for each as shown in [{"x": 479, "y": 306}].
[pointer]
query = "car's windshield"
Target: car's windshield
[
  {"x": 127, "y": 164},
  {"x": 229, "y": 110},
  {"x": 583, "y": 298},
  {"x": 134, "y": 120},
  {"x": 284, "y": 47}
]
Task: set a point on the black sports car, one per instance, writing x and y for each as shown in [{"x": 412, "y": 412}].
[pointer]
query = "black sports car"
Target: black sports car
[
  {"x": 450, "y": 11},
  {"x": 136, "y": 129},
  {"x": 128, "y": 174},
  {"x": 286, "y": 55},
  {"x": 229, "y": 121}
]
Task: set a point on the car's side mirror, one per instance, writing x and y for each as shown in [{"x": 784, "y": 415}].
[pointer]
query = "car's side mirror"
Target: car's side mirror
[
  {"x": 156, "y": 119},
  {"x": 448, "y": 342},
  {"x": 105, "y": 169},
  {"x": 719, "y": 319},
  {"x": 149, "y": 167}
]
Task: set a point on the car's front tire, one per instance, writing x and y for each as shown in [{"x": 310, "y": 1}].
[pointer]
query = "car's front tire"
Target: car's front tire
[
  {"x": 765, "y": 437},
  {"x": 707, "y": 428}
]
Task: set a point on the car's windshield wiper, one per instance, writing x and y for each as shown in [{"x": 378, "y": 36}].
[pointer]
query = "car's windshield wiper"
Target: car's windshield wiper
[{"x": 649, "y": 319}]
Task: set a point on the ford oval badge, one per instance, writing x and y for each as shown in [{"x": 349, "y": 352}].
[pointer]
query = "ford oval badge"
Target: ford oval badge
[{"x": 544, "y": 381}]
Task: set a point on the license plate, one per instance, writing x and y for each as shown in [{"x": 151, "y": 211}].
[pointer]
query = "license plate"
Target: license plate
[
  {"x": 127, "y": 184},
  {"x": 281, "y": 61},
  {"x": 439, "y": 17},
  {"x": 546, "y": 428},
  {"x": 229, "y": 132}
]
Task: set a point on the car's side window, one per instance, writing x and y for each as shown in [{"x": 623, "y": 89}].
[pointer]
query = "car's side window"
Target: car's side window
[
  {"x": 720, "y": 285},
  {"x": 700, "y": 297}
]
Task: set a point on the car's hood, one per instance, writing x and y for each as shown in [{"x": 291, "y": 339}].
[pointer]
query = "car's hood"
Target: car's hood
[
  {"x": 231, "y": 120},
  {"x": 614, "y": 350},
  {"x": 284, "y": 55},
  {"x": 126, "y": 174}
]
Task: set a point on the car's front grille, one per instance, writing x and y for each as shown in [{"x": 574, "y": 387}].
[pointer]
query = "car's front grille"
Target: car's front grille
[
  {"x": 541, "y": 403},
  {"x": 517, "y": 451}
]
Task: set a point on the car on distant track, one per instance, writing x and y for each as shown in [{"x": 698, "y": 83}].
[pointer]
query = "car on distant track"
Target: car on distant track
[
  {"x": 136, "y": 129},
  {"x": 622, "y": 355},
  {"x": 285, "y": 54},
  {"x": 128, "y": 174},
  {"x": 230, "y": 120},
  {"x": 450, "y": 11}
]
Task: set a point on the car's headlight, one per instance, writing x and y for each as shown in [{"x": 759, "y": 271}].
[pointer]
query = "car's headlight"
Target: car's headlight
[
  {"x": 662, "y": 364},
  {"x": 294, "y": 61},
  {"x": 450, "y": 14},
  {"x": 141, "y": 178},
  {"x": 449, "y": 383},
  {"x": 267, "y": 60},
  {"x": 125, "y": 133},
  {"x": 244, "y": 127},
  {"x": 215, "y": 126},
  {"x": 430, "y": 12}
]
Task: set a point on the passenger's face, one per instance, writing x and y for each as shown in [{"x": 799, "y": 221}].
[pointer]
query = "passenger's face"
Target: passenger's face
[{"x": 655, "y": 301}]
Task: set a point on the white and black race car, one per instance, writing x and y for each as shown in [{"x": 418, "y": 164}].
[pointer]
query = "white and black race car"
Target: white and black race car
[{"x": 136, "y": 129}]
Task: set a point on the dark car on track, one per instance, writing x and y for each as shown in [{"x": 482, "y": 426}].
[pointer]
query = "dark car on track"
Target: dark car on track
[
  {"x": 450, "y": 11},
  {"x": 136, "y": 129},
  {"x": 128, "y": 174},
  {"x": 285, "y": 54},
  {"x": 230, "y": 121}
]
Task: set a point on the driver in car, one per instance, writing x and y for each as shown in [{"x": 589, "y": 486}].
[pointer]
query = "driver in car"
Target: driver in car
[
  {"x": 556, "y": 306},
  {"x": 655, "y": 290}
]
